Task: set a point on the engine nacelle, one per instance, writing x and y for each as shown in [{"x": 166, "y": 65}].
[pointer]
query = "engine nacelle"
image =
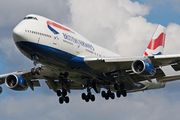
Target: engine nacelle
[
  {"x": 142, "y": 67},
  {"x": 16, "y": 82}
]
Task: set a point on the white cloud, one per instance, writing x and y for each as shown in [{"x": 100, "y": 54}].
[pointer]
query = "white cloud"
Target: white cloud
[
  {"x": 173, "y": 39},
  {"x": 110, "y": 21},
  {"x": 149, "y": 105},
  {"x": 134, "y": 8},
  {"x": 124, "y": 31},
  {"x": 134, "y": 39}
]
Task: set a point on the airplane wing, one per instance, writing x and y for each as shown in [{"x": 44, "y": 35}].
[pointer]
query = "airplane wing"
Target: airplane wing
[
  {"x": 125, "y": 65},
  {"x": 105, "y": 65},
  {"x": 139, "y": 68},
  {"x": 46, "y": 73}
]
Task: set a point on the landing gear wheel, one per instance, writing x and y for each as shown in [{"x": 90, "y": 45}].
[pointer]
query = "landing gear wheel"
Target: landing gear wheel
[
  {"x": 118, "y": 94},
  {"x": 124, "y": 93},
  {"x": 33, "y": 71},
  {"x": 103, "y": 94},
  {"x": 61, "y": 100},
  {"x": 58, "y": 93},
  {"x": 89, "y": 95},
  {"x": 112, "y": 96},
  {"x": 87, "y": 99},
  {"x": 66, "y": 99},
  {"x": 66, "y": 74},
  {"x": 92, "y": 98},
  {"x": 38, "y": 71},
  {"x": 107, "y": 97},
  {"x": 83, "y": 96}
]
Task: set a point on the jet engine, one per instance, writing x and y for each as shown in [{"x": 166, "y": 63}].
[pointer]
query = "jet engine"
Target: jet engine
[
  {"x": 142, "y": 67},
  {"x": 16, "y": 82}
]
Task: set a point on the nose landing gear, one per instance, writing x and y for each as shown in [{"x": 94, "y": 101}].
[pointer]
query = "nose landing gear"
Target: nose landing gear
[{"x": 35, "y": 70}]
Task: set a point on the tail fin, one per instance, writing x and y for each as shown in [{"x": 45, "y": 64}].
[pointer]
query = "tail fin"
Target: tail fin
[{"x": 156, "y": 45}]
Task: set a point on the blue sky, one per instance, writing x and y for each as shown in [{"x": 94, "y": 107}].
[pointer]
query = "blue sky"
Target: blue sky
[
  {"x": 123, "y": 26},
  {"x": 162, "y": 11}
]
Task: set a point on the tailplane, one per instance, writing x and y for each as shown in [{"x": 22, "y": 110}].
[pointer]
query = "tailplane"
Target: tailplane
[{"x": 156, "y": 45}]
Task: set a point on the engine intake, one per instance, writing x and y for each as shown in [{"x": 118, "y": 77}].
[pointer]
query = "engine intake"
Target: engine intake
[
  {"x": 142, "y": 67},
  {"x": 16, "y": 82}
]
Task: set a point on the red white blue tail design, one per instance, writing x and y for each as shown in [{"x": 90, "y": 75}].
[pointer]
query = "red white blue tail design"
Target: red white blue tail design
[{"x": 156, "y": 45}]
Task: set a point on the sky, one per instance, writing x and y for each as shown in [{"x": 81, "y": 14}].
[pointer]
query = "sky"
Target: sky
[{"x": 122, "y": 26}]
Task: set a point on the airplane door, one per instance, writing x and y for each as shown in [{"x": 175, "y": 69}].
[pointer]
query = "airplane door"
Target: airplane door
[
  {"x": 55, "y": 40},
  {"x": 39, "y": 39},
  {"x": 77, "y": 49}
]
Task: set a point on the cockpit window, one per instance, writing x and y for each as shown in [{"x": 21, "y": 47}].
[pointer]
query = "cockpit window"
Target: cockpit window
[{"x": 30, "y": 18}]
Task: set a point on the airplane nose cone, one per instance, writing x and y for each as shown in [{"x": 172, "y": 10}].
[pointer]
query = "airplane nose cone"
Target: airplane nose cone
[{"x": 18, "y": 34}]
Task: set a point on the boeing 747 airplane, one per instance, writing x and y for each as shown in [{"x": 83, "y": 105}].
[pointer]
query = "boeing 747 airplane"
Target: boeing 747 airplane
[{"x": 71, "y": 62}]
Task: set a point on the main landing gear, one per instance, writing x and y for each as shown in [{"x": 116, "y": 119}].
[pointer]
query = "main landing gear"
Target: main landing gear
[
  {"x": 120, "y": 90},
  {"x": 89, "y": 96},
  {"x": 63, "y": 94},
  {"x": 107, "y": 95}
]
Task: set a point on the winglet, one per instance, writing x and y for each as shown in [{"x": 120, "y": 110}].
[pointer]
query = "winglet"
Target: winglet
[{"x": 156, "y": 45}]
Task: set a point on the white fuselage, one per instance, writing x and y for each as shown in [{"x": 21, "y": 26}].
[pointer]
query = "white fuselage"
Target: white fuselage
[{"x": 35, "y": 29}]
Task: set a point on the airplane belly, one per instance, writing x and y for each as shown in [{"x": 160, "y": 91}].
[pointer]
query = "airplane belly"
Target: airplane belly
[{"x": 44, "y": 54}]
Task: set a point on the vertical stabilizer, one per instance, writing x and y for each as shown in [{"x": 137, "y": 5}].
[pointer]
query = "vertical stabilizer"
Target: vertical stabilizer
[{"x": 156, "y": 45}]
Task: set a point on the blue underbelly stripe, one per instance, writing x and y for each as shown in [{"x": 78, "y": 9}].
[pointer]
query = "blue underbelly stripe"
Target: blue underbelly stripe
[{"x": 48, "y": 54}]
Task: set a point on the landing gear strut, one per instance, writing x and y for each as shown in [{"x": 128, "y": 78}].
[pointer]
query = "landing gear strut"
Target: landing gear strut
[{"x": 63, "y": 94}]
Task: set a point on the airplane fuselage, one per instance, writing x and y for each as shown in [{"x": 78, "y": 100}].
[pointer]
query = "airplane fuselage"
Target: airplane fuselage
[{"x": 61, "y": 49}]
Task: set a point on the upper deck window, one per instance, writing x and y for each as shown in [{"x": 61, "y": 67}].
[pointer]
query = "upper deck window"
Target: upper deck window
[{"x": 30, "y": 18}]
